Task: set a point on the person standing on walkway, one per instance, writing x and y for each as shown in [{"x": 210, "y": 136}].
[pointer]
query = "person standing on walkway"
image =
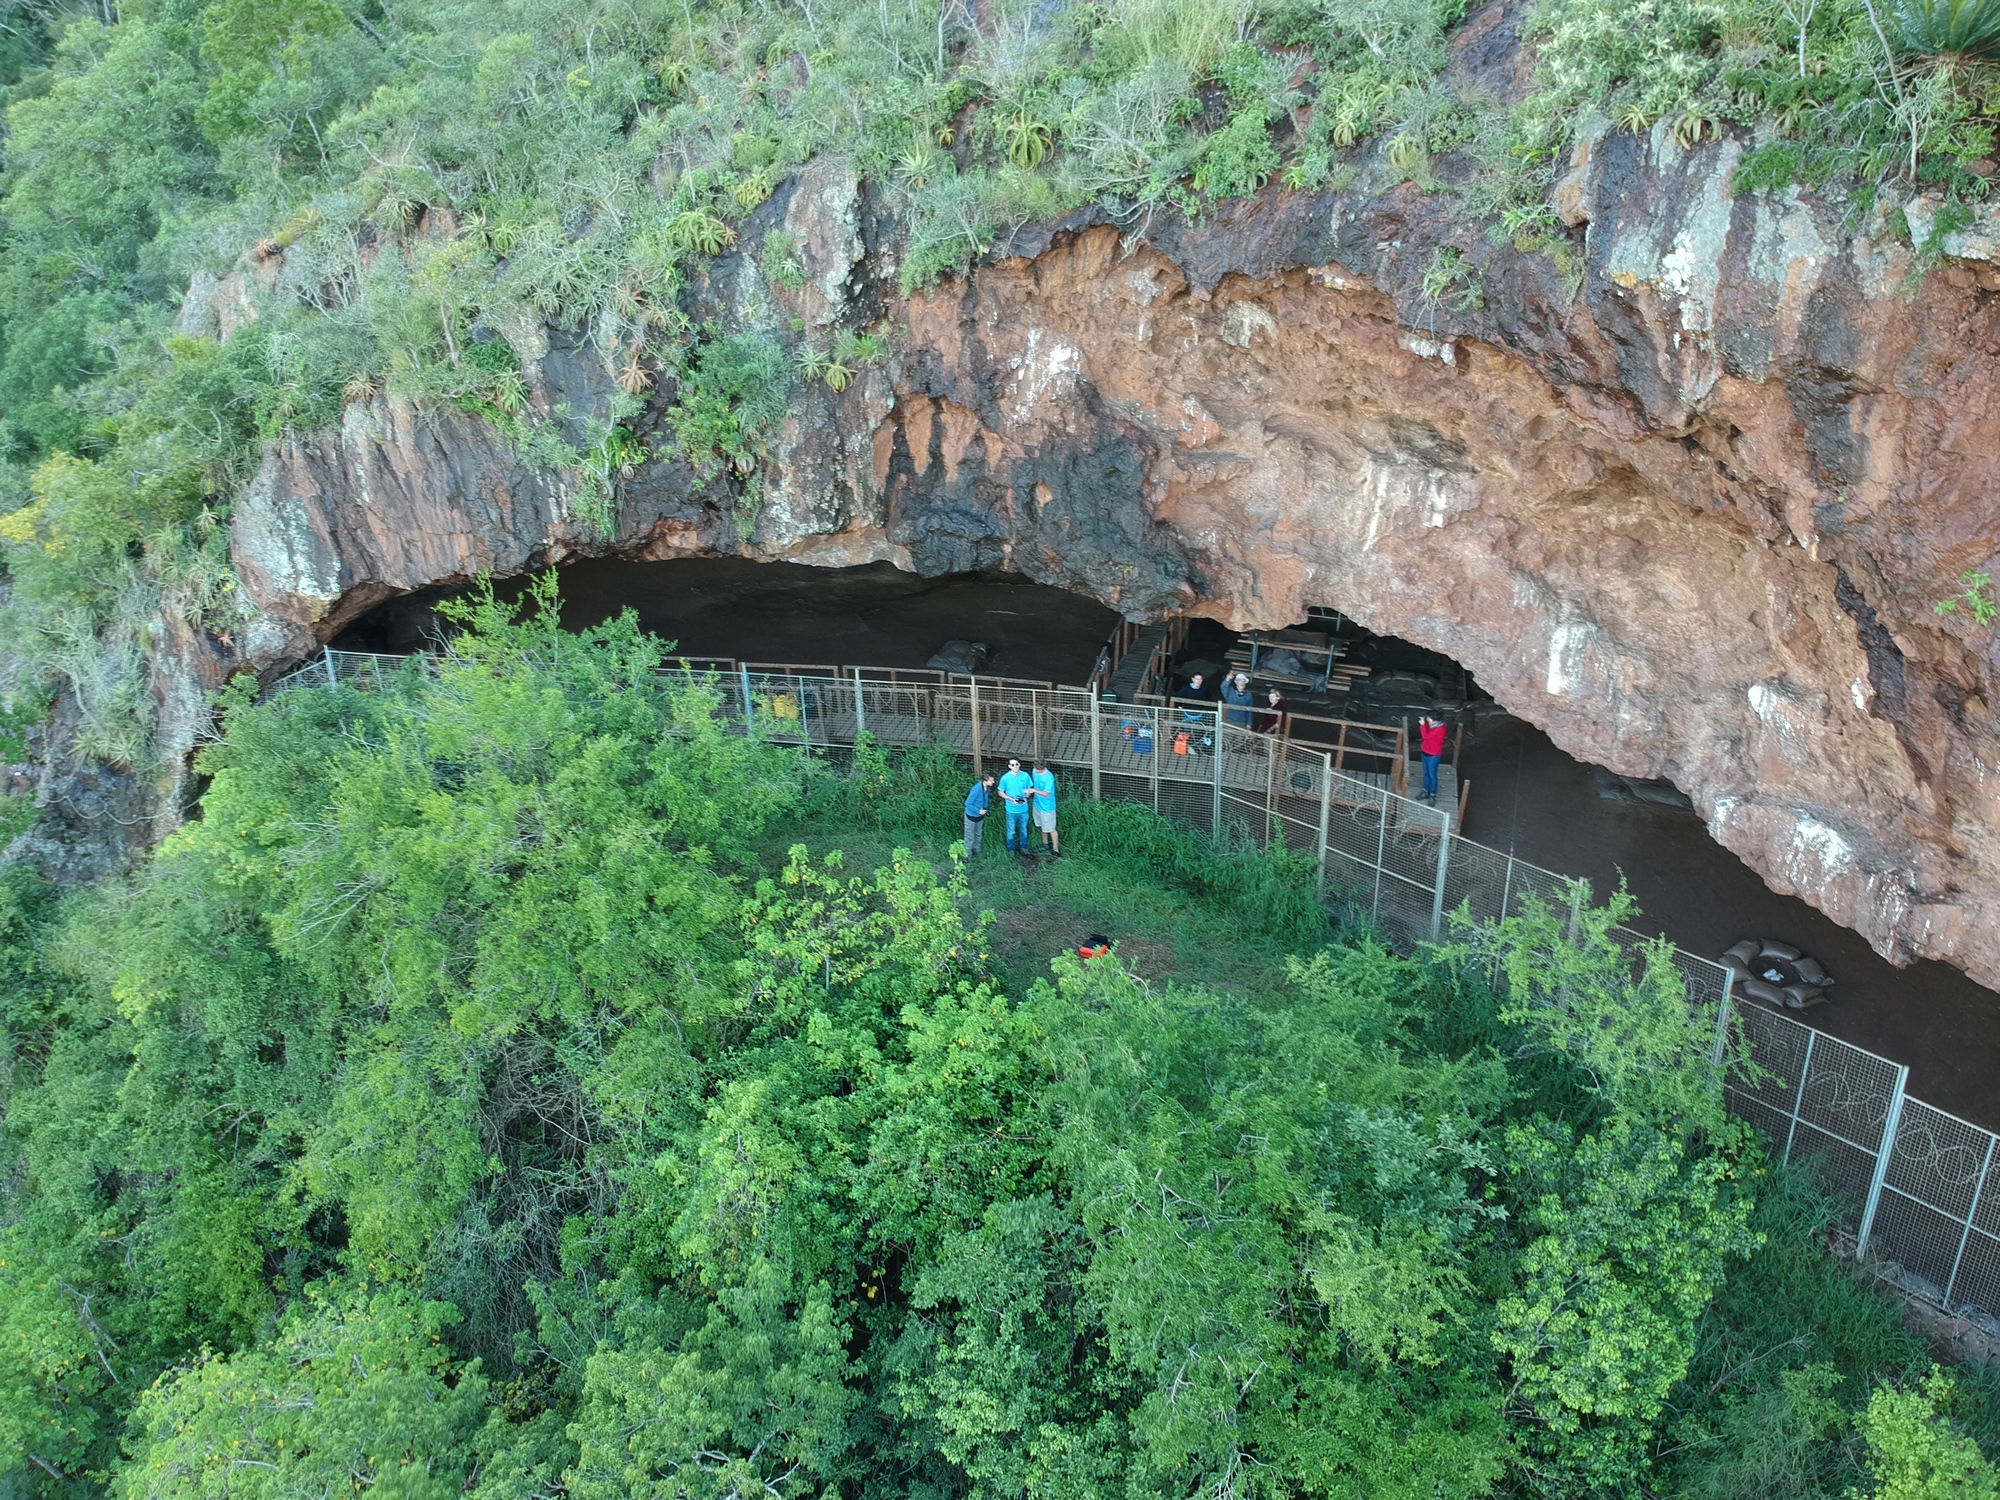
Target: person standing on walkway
[
  {"x": 1430, "y": 745},
  {"x": 1043, "y": 783},
  {"x": 1236, "y": 694},
  {"x": 1015, "y": 789},
  {"x": 978, "y": 802},
  {"x": 1272, "y": 719}
]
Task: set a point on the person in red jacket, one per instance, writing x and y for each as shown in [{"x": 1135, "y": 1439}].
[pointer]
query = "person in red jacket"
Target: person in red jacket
[{"x": 1430, "y": 745}]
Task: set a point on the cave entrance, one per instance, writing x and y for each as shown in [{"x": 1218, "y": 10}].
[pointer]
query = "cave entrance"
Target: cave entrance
[{"x": 774, "y": 612}]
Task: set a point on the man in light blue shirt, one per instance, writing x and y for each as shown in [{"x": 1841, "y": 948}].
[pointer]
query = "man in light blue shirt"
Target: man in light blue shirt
[
  {"x": 978, "y": 802},
  {"x": 1043, "y": 786},
  {"x": 1015, "y": 788}
]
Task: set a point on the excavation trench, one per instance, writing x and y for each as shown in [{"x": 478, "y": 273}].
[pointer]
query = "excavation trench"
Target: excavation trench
[{"x": 1524, "y": 795}]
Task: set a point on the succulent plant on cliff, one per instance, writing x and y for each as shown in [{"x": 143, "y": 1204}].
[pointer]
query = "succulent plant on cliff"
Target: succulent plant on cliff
[{"x": 1961, "y": 31}]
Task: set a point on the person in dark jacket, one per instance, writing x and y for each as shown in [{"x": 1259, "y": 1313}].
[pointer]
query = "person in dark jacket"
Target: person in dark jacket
[{"x": 978, "y": 802}]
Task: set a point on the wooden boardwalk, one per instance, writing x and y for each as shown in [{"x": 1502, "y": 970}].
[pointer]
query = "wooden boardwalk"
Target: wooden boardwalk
[{"x": 1063, "y": 738}]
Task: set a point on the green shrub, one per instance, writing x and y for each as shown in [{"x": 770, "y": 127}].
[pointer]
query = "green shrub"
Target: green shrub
[{"x": 732, "y": 393}]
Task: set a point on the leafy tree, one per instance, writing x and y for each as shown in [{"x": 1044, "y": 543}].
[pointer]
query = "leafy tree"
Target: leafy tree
[
  {"x": 356, "y": 1391},
  {"x": 1913, "y": 1451},
  {"x": 54, "y": 1365}
]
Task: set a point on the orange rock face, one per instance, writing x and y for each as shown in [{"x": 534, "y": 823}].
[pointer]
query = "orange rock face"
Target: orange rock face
[{"x": 1691, "y": 518}]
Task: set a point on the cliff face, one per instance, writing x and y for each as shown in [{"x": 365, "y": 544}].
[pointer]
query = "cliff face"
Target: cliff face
[{"x": 1690, "y": 520}]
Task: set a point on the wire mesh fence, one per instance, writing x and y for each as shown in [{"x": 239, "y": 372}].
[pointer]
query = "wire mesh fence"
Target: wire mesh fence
[{"x": 1913, "y": 1185}]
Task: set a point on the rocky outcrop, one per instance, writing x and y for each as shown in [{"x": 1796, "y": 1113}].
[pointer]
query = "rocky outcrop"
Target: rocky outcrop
[{"x": 1691, "y": 518}]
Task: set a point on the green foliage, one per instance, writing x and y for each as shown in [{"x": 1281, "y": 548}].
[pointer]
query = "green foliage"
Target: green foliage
[
  {"x": 1617, "y": 1273},
  {"x": 1972, "y": 594},
  {"x": 781, "y": 261},
  {"x": 422, "y": 191},
  {"x": 53, "y": 1365},
  {"x": 1966, "y": 31},
  {"x": 1451, "y": 279},
  {"x": 489, "y": 1093},
  {"x": 465, "y": 1031},
  {"x": 1913, "y": 1451},
  {"x": 732, "y": 393},
  {"x": 1620, "y": 1018},
  {"x": 355, "y": 1391},
  {"x": 851, "y": 352}
]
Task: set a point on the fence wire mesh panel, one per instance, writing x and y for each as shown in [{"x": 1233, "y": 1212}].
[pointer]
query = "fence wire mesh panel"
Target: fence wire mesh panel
[
  {"x": 1824, "y": 1104},
  {"x": 1476, "y": 881},
  {"x": 1768, "y": 1094},
  {"x": 1935, "y": 1220},
  {"x": 1843, "y": 1108}
]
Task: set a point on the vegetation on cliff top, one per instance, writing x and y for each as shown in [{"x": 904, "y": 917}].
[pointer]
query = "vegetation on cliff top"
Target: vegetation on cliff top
[
  {"x": 432, "y": 186},
  {"x": 504, "y": 1089}
]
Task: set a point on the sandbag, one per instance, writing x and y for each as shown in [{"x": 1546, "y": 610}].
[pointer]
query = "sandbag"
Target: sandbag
[
  {"x": 1763, "y": 989},
  {"x": 1738, "y": 969},
  {"x": 1809, "y": 972},
  {"x": 1744, "y": 952},
  {"x": 1799, "y": 996},
  {"x": 1783, "y": 953}
]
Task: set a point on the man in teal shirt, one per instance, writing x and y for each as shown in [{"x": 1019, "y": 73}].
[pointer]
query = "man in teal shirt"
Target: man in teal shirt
[
  {"x": 1043, "y": 785},
  {"x": 1015, "y": 788}
]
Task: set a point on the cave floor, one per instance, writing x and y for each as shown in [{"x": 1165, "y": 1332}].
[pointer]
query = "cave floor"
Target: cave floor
[{"x": 1527, "y": 796}]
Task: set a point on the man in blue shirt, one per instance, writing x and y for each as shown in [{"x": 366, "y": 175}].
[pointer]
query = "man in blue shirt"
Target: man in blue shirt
[
  {"x": 1015, "y": 788},
  {"x": 977, "y": 802},
  {"x": 1043, "y": 786}
]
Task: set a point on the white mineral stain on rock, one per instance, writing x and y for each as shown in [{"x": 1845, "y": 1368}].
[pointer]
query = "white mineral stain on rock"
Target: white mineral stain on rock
[
  {"x": 1243, "y": 321},
  {"x": 1423, "y": 348},
  {"x": 1816, "y": 854},
  {"x": 1048, "y": 369}
]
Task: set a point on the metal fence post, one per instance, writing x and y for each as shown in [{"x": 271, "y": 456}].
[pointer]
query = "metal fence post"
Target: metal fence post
[
  {"x": 1889, "y": 1124},
  {"x": 860, "y": 709},
  {"x": 978, "y": 756},
  {"x": 1971, "y": 1213},
  {"x": 1444, "y": 869},
  {"x": 1507, "y": 891},
  {"x": 1271, "y": 746},
  {"x": 326, "y": 656},
  {"x": 1215, "y": 817},
  {"x": 1159, "y": 749},
  {"x": 1381, "y": 853},
  {"x": 749, "y": 714},
  {"x": 1096, "y": 752},
  {"x": 1799, "y": 1098},
  {"x": 1325, "y": 814},
  {"x": 1722, "y": 1020}
]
